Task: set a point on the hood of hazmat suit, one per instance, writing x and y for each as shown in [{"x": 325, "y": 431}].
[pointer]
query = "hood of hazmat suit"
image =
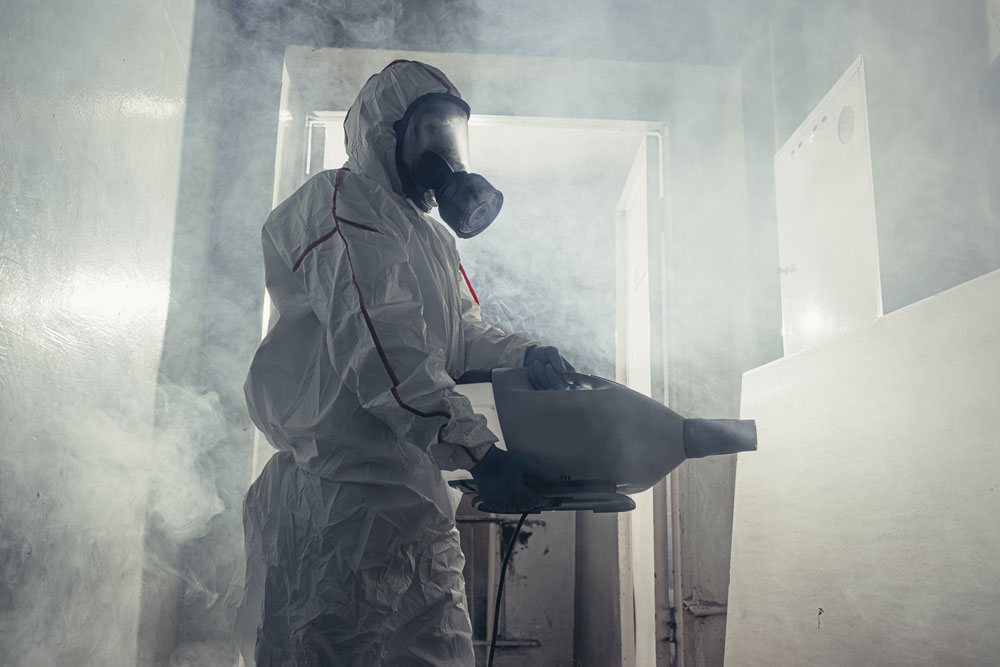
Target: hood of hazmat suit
[{"x": 352, "y": 552}]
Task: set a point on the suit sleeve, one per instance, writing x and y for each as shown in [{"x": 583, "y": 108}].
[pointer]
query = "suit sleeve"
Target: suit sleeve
[
  {"x": 487, "y": 346},
  {"x": 358, "y": 280}
]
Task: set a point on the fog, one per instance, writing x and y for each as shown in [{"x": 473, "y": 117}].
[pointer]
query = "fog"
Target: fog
[{"x": 137, "y": 165}]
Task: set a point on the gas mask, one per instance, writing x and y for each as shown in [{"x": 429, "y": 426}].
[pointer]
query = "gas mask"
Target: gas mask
[{"x": 432, "y": 158}]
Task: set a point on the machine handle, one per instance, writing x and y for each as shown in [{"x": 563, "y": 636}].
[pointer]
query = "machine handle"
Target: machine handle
[
  {"x": 572, "y": 378},
  {"x": 588, "y": 382},
  {"x": 476, "y": 376}
]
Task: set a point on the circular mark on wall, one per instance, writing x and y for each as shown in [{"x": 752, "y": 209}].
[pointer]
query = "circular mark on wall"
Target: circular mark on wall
[{"x": 845, "y": 126}]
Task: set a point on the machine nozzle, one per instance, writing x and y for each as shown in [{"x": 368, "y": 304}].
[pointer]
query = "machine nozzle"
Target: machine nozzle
[{"x": 708, "y": 437}]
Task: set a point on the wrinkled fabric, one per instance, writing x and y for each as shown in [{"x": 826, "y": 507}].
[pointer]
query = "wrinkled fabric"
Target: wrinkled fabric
[
  {"x": 352, "y": 552},
  {"x": 361, "y": 583}
]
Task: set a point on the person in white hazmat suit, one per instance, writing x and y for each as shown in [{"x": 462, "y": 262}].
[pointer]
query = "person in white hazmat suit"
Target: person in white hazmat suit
[{"x": 353, "y": 557}]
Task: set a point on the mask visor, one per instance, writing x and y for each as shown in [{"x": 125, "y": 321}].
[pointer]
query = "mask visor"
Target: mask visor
[{"x": 440, "y": 125}]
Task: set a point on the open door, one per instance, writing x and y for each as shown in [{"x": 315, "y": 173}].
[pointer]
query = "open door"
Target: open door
[
  {"x": 639, "y": 364},
  {"x": 827, "y": 240}
]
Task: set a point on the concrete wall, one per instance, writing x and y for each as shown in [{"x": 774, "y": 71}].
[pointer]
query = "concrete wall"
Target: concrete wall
[
  {"x": 993, "y": 20},
  {"x": 708, "y": 317},
  {"x": 867, "y": 524},
  {"x": 214, "y": 322},
  {"x": 990, "y": 106},
  {"x": 90, "y": 134}
]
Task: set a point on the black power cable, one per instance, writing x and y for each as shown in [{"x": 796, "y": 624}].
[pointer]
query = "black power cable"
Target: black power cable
[{"x": 503, "y": 573}]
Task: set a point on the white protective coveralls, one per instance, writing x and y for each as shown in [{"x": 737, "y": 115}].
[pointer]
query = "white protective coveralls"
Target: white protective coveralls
[{"x": 353, "y": 557}]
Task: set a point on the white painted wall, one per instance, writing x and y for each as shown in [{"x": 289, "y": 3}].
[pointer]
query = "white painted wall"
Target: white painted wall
[
  {"x": 874, "y": 495},
  {"x": 90, "y": 146},
  {"x": 993, "y": 23}
]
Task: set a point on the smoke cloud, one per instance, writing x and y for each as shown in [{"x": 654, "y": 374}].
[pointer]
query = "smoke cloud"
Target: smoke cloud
[{"x": 137, "y": 152}]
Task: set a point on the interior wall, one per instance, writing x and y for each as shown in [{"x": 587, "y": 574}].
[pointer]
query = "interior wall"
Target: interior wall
[
  {"x": 990, "y": 105},
  {"x": 866, "y": 526},
  {"x": 993, "y": 21},
  {"x": 760, "y": 145},
  {"x": 213, "y": 326},
  {"x": 707, "y": 343},
  {"x": 90, "y": 133}
]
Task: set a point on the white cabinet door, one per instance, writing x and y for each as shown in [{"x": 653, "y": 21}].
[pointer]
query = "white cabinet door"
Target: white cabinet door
[{"x": 827, "y": 242}]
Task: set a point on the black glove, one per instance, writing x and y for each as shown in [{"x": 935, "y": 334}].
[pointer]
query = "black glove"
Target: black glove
[
  {"x": 545, "y": 367},
  {"x": 504, "y": 482}
]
